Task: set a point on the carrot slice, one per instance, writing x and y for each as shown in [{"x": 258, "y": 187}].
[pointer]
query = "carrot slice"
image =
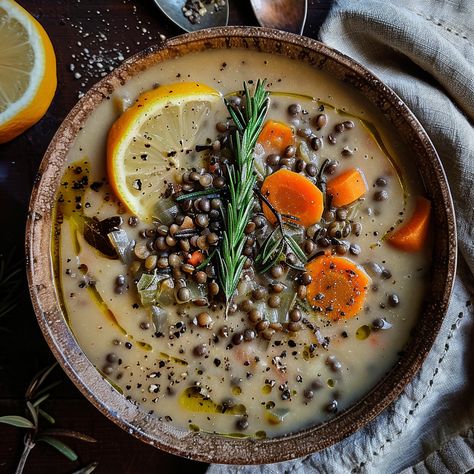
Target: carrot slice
[
  {"x": 413, "y": 234},
  {"x": 347, "y": 187},
  {"x": 339, "y": 287},
  {"x": 196, "y": 258},
  {"x": 291, "y": 193},
  {"x": 276, "y": 136}
]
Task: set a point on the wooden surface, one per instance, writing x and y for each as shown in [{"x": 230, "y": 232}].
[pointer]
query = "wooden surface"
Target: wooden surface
[{"x": 127, "y": 27}]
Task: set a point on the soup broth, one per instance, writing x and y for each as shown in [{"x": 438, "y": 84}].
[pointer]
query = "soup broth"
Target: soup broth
[{"x": 271, "y": 361}]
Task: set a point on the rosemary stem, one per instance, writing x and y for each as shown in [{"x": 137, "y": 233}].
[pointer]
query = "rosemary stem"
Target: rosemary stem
[{"x": 29, "y": 445}]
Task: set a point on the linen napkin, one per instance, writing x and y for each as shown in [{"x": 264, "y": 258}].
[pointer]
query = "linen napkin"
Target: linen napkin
[{"x": 424, "y": 50}]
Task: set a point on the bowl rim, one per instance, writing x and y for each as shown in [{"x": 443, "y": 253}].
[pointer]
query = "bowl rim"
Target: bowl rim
[{"x": 203, "y": 446}]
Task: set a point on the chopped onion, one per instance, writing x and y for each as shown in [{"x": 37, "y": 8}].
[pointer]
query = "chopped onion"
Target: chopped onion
[
  {"x": 259, "y": 161},
  {"x": 287, "y": 300},
  {"x": 165, "y": 294},
  {"x": 122, "y": 245},
  {"x": 295, "y": 231},
  {"x": 305, "y": 153},
  {"x": 197, "y": 291},
  {"x": 166, "y": 211},
  {"x": 160, "y": 318},
  {"x": 148, "y": 287}
]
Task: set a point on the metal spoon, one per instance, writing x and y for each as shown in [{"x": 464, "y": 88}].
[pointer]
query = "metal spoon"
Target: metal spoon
[
  {"x": 214, "y": 16},
  {"x": 288, "y": 15}
]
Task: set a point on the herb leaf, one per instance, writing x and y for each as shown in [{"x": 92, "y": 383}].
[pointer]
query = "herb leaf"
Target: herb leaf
[
  {"x": 241, "y": 181},
  {"x": 63, "y": 448},
  {"x": 15, "y": 420}
]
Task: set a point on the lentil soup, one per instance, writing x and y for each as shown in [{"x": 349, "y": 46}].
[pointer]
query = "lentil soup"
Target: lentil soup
[{"x": 335, "y": 261}]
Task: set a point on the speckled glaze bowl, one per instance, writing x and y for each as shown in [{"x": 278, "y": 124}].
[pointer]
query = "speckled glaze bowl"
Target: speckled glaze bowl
[{"x": 202, "y": 446}]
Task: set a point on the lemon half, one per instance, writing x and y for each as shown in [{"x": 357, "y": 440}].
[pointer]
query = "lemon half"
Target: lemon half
[
  {"x": 153, "y": 138},
  {"x": 27, "y": 70}
]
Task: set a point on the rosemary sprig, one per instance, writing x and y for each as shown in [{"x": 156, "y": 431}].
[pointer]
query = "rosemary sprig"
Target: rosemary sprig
[
  {"x": 35, "y": 395},
  {"x": 241, "y": 181},
  {"x": 209, "y": 193},
  {"x": 279, "y": 241}
]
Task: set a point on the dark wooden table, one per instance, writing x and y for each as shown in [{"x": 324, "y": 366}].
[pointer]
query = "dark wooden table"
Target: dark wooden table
[{"x": 127, "y": 27}]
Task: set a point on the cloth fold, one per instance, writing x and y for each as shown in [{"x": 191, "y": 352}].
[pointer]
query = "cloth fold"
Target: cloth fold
[{"x": 424, "y": 50}]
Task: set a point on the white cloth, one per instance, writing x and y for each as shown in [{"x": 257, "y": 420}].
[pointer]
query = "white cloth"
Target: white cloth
[{"x": 424, "y": 50}]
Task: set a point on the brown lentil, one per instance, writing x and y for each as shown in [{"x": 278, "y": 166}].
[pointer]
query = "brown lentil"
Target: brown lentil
[
  {"x": 290, "y": 151},
  {"x": 276, "y": 271},
  {"x": 254, "y": 315},
  {"x": 170, "y": 241},
  {"x": 258, "y": 293},
  {"x": 274, "y": 301},
  {"x": 276, "y": 287},
  {"x": 262, "y": 325},
  {"x": 273, "y": 160},
  {"x": 237, "y": 338},
  {"x": 356, "y": 228},
  {"x": 381, "y": 195},
  {"x": 200, "y": 277},
  {"x": 294, "y": 109},
  {"x": 342, "y": 248},
  {"x": 294, "y": 326},
  {"x": 316, "y": 143},
  {"x": 306, "y": 278},
  {"x": 301, "y": 292},
  {"x": 311, "y": 170},
  {"x": 200, "y": 350},
  {"x": 250, "y": 227},
  {"x": 268, "y": 333},
  {"x": 204, "y": 320},
  {"x": 213, "y": 288},
  {"x": 321, "y": 121},
  {"x": 183, "y": 295},
  {"x": 308, "y": 247},
  {"x": 295, "y": 314},
  {"x": 393, "y": 300},
  {"x": 219, "y": 182}
]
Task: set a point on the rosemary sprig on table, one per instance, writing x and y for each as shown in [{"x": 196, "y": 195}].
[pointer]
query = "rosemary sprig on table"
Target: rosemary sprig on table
[
  {"x": 241, "y": 181},
  {"x": 279, "y": 242},
  {"x": 36, "y": 394}
]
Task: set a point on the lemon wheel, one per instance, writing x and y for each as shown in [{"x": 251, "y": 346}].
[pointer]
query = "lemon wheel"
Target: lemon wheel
[
  {"x": 154, "y": 138},
  {"x": 27, "y": 70}
]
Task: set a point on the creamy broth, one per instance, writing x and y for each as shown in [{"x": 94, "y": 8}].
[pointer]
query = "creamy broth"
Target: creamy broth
[{"x": 260, "y": 388}]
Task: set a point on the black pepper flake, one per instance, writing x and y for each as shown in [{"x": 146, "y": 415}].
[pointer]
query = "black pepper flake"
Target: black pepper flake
[
  {"x": 217, "y": 362},
  {"x": 128, "y": 345},
  {"x": 96, "y": 185}
]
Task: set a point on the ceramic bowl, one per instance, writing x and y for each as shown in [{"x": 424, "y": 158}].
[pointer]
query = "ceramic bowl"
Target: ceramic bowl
[{"x": 215, "y": 448}]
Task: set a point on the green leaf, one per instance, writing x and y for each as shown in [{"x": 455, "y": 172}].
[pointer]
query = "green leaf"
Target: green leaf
[
  {"x": 34, "y": 413},
  {"x": 210, "y": 192},
  {"x": 87, "y": 469},
  {"x": 296, "y": 249},
  {"x": 63, "y": 448},
  {"x": 41, "y": 399},
  {"x": 38, "y": 380},
  {"x": 68, "y": 434},
  {"x": 46, "y": 416},
  {"x": 18, "y": 421}
]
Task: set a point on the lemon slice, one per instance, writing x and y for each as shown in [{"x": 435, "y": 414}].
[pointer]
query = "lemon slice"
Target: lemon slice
[
  {"x": 27, "y": 70},
  {"x": 155, "y": 137}
]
